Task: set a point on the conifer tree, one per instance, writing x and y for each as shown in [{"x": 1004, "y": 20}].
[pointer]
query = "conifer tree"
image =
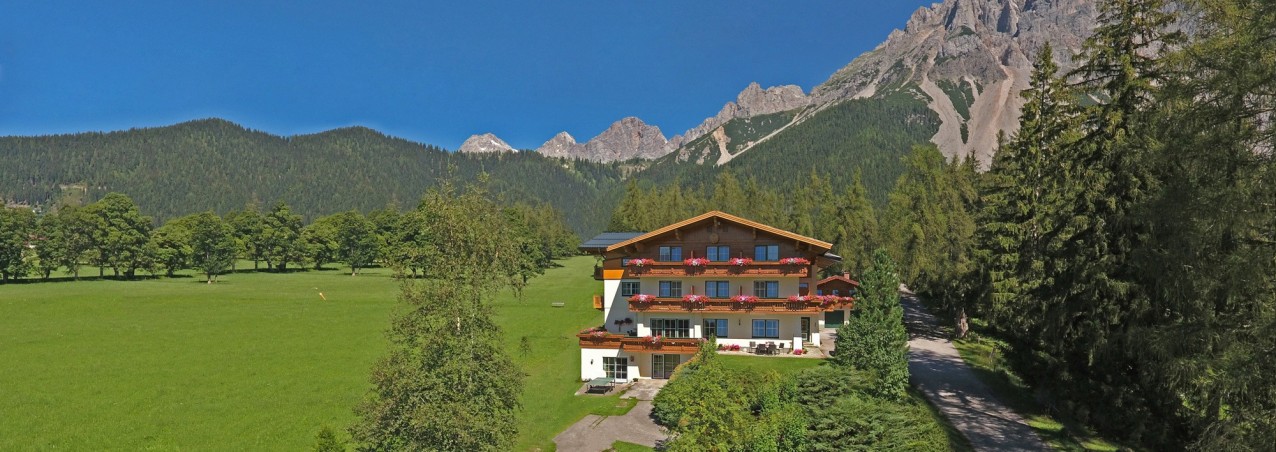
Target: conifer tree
[
  {"x": 856, "y": 233},
  {"x": 873, "y": 339}
]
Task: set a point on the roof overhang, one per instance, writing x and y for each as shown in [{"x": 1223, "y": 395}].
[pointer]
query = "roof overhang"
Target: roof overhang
[{"x": 820, "y": 244}]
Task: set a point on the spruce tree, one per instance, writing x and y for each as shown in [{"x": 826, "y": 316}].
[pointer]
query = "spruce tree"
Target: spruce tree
[
  {"x": 873, "y": 339},
  {"x": 1019, "y": 198},
  {"x": 856, "y": 233}
]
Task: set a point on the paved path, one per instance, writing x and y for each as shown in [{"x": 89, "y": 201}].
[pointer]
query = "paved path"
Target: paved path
[
  {"x": 595, "y": 433},
  {"x": 938, "y": 371}
]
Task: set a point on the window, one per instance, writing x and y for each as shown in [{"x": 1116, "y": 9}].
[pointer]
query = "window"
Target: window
[
  {"x": 718, "y": 253},
  {"x": 766, "y": 289},
  {"x": 617, "y": 368},
  {"x": 834, "y": 291},
  {"x": 670, "y": 253},
  {"x": 766, "y": 329},
  {"x": 717, "y": 289},
  {"x": 766, "y": 253},
  {"x": 821, "y": 292},
  {"x": 671, "y": 328},
  {"x": 670, "y": 289},
  {"x": 629, "y": 288},
  {"x": 715, "y": 327},
  {"x": 804, "y": 289}
]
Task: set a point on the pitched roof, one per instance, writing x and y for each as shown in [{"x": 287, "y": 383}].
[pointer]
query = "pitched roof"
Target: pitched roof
[
  {"x": 838, "y": 278},
  {"x": 724, "y": 216},
  {"x": 600, "y": 242}
]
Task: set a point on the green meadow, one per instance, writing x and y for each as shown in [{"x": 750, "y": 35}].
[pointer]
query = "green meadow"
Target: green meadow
[{"x": 256, "y": 361}]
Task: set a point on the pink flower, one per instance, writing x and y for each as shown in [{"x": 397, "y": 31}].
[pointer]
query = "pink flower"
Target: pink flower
[
  {"x": 693, "y": 298},
  {"x": 696, "y": 262},
  {"x": 748, "y": 299},
  {"x": 800, "y": 298},
  {"x": 642, "y": 298},
  {"x": 740, "y": 261},
  {"x": 795, "y": 261},
  {"x": 640, "y": 262}
]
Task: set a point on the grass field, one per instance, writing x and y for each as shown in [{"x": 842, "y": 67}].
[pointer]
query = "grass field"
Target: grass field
[{"x": 256, "y": 361}]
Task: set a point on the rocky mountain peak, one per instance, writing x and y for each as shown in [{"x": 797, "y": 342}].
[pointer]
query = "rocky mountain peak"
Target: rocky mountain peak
[
  {"x": 562, "y": 145},
  {"x": 971, "y": 58},
  {"x": 485, "y": 143},
  {"x": 753, "y": 101},
  {"x": 625, "y": 139}
]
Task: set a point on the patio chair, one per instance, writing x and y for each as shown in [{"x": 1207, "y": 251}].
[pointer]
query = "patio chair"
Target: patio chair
[
  {"x": 782, "y": 347},
  {"x": 752, "y": 346},
  {"x": 770, "y": 348}
]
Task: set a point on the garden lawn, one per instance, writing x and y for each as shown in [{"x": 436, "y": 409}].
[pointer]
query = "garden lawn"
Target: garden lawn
[
  {"x": 257, "y": 361},
  {"x": 754, "y": 365}
]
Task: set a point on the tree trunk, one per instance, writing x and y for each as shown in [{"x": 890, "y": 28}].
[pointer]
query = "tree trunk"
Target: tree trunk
[{"x": 963, "y": 323}]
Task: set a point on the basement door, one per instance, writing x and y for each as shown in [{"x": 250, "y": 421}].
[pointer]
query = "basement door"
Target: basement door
[{"x": 662, "y": 366}]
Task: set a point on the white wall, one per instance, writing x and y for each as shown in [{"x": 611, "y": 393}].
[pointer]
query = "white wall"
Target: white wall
[{"x": 591, "y": 362}]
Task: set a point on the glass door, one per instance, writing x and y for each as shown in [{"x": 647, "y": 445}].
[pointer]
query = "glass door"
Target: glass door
[
  {"x": 806, "y": 329},
  {"x": 617, "y": 368},
  {"x": 662, "y": 366}
]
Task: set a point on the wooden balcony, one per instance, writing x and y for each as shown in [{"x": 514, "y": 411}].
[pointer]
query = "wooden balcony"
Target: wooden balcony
[
  {"x": 719, "y": 269},
  {"x": 638, "y": 344},
  {"x": 762, "y": 306}
]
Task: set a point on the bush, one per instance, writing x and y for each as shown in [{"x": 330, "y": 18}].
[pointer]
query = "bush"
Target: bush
[{"x": 863, "y": 423}]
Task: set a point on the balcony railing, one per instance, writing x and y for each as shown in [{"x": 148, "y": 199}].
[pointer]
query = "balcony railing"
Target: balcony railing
[
  {"x": 640, "y": 344},
  {"x": 762, "y": 305},
  {"x": 719, "y": 269}
]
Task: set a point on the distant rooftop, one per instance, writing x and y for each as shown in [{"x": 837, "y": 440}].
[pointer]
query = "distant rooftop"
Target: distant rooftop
[{"x": 600, "y": 242}]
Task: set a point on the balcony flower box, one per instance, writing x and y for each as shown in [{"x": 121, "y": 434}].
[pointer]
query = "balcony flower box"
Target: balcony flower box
[
  {"x": 640, "y": 262},
  {"x": 694, "y": 301},
  {"x": 795, "y": 261},
  {"x": 696, "y": 262},
  {"x": 745, "y": 299},
  {"x": 740, "y": 261},
  {"x": 802, "y": 298},
  {"x": 642, "y": 298},
  {"x": 652, "y": 340},
  {"x": 598, "y": 335}
]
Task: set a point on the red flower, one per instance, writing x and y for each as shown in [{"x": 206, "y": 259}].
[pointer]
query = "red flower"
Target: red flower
[
  {"x": 640, "y": 262},
  {"x": 747, "y": 299},
  {"x": 740, "y": 261},
  {"x": 795, "y": 261},
  {"x": 642, "y": 298}
]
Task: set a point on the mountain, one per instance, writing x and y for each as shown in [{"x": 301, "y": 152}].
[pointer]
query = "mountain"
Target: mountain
[
  {"x": 969, "y": 59},
  {"x": 626, "y": 139},
  {"x": 219, "y": 165},
  {"x": 485, "y": 143},
  {"x": 753, "y": 101},
  {"x": 562, "y": 145}
]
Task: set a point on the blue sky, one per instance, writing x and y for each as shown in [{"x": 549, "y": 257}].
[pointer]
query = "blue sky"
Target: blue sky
[{"x": 434, "y": 72}]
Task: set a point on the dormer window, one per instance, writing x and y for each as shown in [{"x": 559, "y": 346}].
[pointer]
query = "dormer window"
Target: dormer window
[{"x": 670, "y": 254}]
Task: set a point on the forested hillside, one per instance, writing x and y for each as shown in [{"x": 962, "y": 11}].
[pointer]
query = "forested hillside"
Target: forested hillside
[
  {"x": 869, "y": 135},
  {"x": 218, "y": 165}
]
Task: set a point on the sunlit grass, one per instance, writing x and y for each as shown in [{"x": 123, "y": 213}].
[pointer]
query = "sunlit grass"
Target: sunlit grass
[{"x": 258, "y": 361}]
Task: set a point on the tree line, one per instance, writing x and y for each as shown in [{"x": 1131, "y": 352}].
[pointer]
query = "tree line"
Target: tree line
[
  {"x": 113, "y": 234},
  {"x": 175, "y": 170},
  {"x": 1123, "y": 247}
]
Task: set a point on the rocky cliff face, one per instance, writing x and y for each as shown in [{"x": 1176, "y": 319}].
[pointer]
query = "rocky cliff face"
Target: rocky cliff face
[
  {"x": 971, "y": 58},
  {"x": 753, "y": 101},
  {"x": 485, "y": 143},
  {"x": 626, "y": 139}
]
